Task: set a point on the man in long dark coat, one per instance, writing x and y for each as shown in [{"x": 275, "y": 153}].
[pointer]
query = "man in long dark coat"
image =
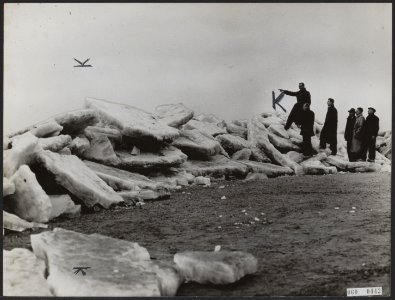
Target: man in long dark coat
[
  {"x": 302, "y": 96},
  {"x": 371, "y": 132},
  {"x": 329, "y": 131},
  {"x": 307, "y": 129},
  {"x": 348, "y": 133}
]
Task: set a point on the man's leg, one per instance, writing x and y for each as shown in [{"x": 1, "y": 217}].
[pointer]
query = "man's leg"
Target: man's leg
[
  {"x": 298, "y": 115},
  {"x": 361, "y": 155},
  {"x": 372, "y": 149},
  {"x": 291, "y": 118},
  {"x": 322, "y": 143},
  {"x": 306, "y": 145},
  {"x": 309, "y": 146},
  {"x": 351, "y": 155},
  {"x": 364, "y": 150},
  {"x": 333, "y": 146},
  {"x": 348, "y": 151}
]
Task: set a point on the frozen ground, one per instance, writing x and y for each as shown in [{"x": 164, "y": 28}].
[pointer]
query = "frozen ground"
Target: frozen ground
[{"x": 305, "y": 246}]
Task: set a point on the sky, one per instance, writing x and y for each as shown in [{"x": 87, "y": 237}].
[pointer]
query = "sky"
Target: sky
[{"x": 224, "y": 59}]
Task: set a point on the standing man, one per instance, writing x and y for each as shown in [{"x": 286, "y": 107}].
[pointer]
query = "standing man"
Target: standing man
[
  {"x": 307, "y": 129},
  {"x": 302, "y": 96},
  {"x": 349, "y": 132},
  {"x": 371, "y": 132},
  {"x": 329, "y": 131},
  {"x": 358, "y": 135}
]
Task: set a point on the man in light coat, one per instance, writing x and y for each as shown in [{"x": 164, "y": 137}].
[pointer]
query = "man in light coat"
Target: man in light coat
[{"x": 357, "y": 144}]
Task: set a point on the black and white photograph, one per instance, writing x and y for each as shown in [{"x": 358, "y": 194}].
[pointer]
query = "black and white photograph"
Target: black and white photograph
[{"x": 197, "y": 149}]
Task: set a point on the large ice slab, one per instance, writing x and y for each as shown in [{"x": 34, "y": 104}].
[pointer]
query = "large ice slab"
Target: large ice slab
[
  {"x": 23, "y": 151},
  {"x": 222, "y": 267},
  {"x": 173, "y": 178},
  {"x": 258, "y": 155},
  {"x": 282, "y": 144},
  {"x": 101, "y": 150},
  {"x": 237, "y": 130},
  {"x": 174, "y": 115},
  {"x": 30, "y": 202},
  {"x": 344, "y": 165},
  {"x": 24, "y": 274},
  {"x": 46, "y": 129},
  {"x": 144, "y": 194},
  {"x": 258, "y": 135},
  {"x": 123, "y": 180},
  {"x": 270, "y": 120},
  {"x": 116, "y": 267},
  {"x": 132, "y": 121},
  {"x": 210, "y": 118},
  {"x": 295, "y": 156},
  {"x": 55, "y": 143},
  {"x": 232, "y": 143},
  {"x": 337, "y": 161},
  {"x": 205, "y": 127},
  {"x": 243, "y": 154},
  {"x": 215, "y": 166},
  {"x": 266, "y": 168},
  {"x": 166, "y": 158},
  {"x": 77, "y": 120},
  {"x": 79, "y": 145},
  {"x": 364, "y": 166},
  {"x": 294, "y": 135},
  {"x": 114, "y": 135},
  {"x": 317, "y": 168},
  {"x": 279, "y": 130},
  {"x": 70, "y": 122},
  {"x": 71, "y": 173},
  {"x": 8, "y": 187},
  {"x": 14, "y": 223},
  {"x": 383, "y": 158},
  {"x": 195, "y": 143},
  {"x": 63, "y": 205}
]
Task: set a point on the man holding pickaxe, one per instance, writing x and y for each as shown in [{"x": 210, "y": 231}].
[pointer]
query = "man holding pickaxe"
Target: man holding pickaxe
[{"x": 302, "y": 96}]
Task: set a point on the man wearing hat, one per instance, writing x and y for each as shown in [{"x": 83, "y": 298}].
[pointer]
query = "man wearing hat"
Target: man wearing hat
[
  {"x": 349, "y": 132},
  {"x": 371, "y": 132}
]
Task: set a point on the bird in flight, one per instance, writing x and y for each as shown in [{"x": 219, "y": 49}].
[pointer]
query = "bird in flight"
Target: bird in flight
[
  {"x": 78, "y": 269},
  {"x": 82, "y": 64}
]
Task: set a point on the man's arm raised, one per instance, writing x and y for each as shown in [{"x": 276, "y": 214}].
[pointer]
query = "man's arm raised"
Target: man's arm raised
[{"x": 289, "y": 93}]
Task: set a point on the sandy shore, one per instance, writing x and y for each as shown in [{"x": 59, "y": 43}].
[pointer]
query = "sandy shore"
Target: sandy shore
[{"x": 305, "y": 246}]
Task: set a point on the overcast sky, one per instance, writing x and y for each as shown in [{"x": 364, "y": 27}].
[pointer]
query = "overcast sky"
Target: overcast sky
[{"x": 216, "y": 58}]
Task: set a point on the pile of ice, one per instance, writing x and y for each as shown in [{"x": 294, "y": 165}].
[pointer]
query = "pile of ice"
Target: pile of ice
[
  {"x": 113, "y": 154},
  {"x": 110, "y": 154}
]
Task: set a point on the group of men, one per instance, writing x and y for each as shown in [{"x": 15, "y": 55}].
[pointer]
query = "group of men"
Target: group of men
[{"x": 360, "y": 133}]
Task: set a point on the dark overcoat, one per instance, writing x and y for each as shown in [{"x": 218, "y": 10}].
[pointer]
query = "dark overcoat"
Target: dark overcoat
[
  {"x": 329, "y": 131},
  {"x": 371, "y": 126},
  {"x": 348, "y": 132},
  {"x": 307, "y": 123}
]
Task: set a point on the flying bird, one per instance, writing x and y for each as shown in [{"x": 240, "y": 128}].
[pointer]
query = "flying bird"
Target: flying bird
[
  {"x": 78, "y": 269},
  {"x": 82, "y": 64}
]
